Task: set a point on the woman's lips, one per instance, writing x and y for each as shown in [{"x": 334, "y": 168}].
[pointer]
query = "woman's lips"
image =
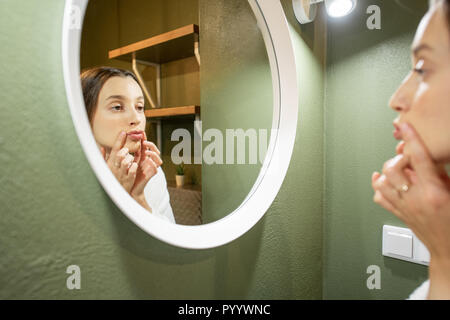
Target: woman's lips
[
  {"x": 135, "y": 135},
  {"x": 397, "y": 134}
]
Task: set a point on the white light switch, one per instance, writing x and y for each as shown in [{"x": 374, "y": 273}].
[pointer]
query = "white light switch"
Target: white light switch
[
  {"x": 402, "y": 243},
  {"x": 399, "y": 243}
]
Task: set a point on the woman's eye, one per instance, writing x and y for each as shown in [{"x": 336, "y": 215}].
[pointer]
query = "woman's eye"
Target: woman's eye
[
  {"x": 141, "y": 108},
  {"x": 117, "y": 108},
  {"x": 419, "y": 68}
]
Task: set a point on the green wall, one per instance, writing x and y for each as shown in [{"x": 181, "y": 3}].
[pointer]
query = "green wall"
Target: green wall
[
  {"x": 55, "y": 213},
  {"x": 364, "y": 68}
]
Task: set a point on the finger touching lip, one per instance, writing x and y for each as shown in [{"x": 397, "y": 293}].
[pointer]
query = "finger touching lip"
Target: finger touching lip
[{"x": 400, "y": 147}]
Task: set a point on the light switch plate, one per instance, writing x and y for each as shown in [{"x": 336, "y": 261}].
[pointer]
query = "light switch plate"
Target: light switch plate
[
  {"x": 399, "y": 243},
  {"x": 402, "y": 243}
]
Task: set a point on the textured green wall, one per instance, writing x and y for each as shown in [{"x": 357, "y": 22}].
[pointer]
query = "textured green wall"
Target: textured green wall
[
  {"x": 364, "y": 69},
  {"x": 55, "y": 213}
]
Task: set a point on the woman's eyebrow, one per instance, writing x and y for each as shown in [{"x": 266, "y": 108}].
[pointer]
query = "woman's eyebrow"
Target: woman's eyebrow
[
  {"x": 123, "y": 98},
  {"x": 118, "y": 97},
  {"x": 421, "y": 47}
]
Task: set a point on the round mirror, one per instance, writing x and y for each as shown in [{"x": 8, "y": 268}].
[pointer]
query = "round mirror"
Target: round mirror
[{"x": 218, "y": 101}]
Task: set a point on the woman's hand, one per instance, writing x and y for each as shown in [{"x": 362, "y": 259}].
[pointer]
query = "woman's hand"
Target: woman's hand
[
  {"x": 121, "y": 163},
  {"x": 148, "y": 162},
  {"x": 417, "y": 191}
]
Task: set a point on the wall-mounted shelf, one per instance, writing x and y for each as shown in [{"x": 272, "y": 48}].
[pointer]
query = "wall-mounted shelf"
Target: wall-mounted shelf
[
  {"x": 162, "y": 48},
  {"x": 158, "y": 113}
]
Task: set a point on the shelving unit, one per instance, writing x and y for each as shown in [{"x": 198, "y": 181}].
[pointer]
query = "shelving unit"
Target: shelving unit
[
  {"x": 159, "y": 113},
  {"x": 154, "y": 51},
  {"x": 162, "y": 48}
]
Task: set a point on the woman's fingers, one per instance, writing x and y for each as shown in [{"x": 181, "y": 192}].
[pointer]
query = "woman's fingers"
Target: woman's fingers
[
  {"x": 394, "y": 172},
  {"x": 118, "y": 158},
  {"x": 375, "y": 177},
  {"x": 137, "y": 156},
  {"x": 145, "y": 136},
  {"x": 382, "y": 201},
  {"x": 132, "y": 171},
  {"x": 387, "y": 190},
  {"x": 141, "y": 151},
  {"x": 154, "y": 156},
  {"x": 149, "y": 149},
  {"x": 389, "y": 185},
  {"x": 137, "y": 170},
  {"x": 400, "y": 147},
  {"x": 149, "y": 162},
  {"x": 126, "y": 164},
  {"x": 383, "y": 188},
  {"x": 149, "y": 168},
  {"x": 421, "y": 160},
  {"x": 152, "y": 147},
  {"x": 412, "y": 176},
  {"x": 118, "y": 145}
]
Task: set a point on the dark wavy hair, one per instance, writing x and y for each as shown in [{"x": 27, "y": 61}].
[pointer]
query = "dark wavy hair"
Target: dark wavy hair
[{"x": 93, "y": 80}]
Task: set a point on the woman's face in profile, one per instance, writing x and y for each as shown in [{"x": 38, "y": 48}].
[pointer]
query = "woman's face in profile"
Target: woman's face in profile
[
  {"x": 120, "y": 107},
  {"x": 423, "y": 99}
]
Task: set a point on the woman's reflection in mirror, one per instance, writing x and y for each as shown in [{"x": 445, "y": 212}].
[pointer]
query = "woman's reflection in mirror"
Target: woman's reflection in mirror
[{"x": 115, "y": 106}]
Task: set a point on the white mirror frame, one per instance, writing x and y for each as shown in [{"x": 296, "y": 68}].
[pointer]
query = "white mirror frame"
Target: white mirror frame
[{"x": 275, "y": 30}]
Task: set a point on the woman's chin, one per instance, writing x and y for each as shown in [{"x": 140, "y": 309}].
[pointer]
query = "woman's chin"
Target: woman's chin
[{"x": 133, "y": 146}]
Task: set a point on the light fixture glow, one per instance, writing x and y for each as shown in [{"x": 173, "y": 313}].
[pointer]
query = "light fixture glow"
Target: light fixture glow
[
  {"x": 339, "y": 8},
  {"x": 305, "y": 10}
]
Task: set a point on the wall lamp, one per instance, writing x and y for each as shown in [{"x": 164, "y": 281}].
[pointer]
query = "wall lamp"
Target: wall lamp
[{"x": 305, "y": 10}]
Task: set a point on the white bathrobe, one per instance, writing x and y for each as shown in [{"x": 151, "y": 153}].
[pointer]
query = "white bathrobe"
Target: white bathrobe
[
  {"x": 158, "y": 198},
  {"x": 421, "y": 293}
]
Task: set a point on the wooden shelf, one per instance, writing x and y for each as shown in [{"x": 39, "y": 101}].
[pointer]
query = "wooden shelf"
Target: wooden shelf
[
  {"x": 169, "y": 46},
  {"x": 172, "y": 112}
]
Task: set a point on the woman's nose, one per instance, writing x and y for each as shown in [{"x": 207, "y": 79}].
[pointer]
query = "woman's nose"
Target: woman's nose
[
  {"x": 396, "y": 103},
  {"x": 134, "y": 117},
  {"x": 401, "y": 99}
]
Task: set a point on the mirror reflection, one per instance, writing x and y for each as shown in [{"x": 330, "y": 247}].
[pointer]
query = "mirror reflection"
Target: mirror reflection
[{"x": 181, "y": 110}]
